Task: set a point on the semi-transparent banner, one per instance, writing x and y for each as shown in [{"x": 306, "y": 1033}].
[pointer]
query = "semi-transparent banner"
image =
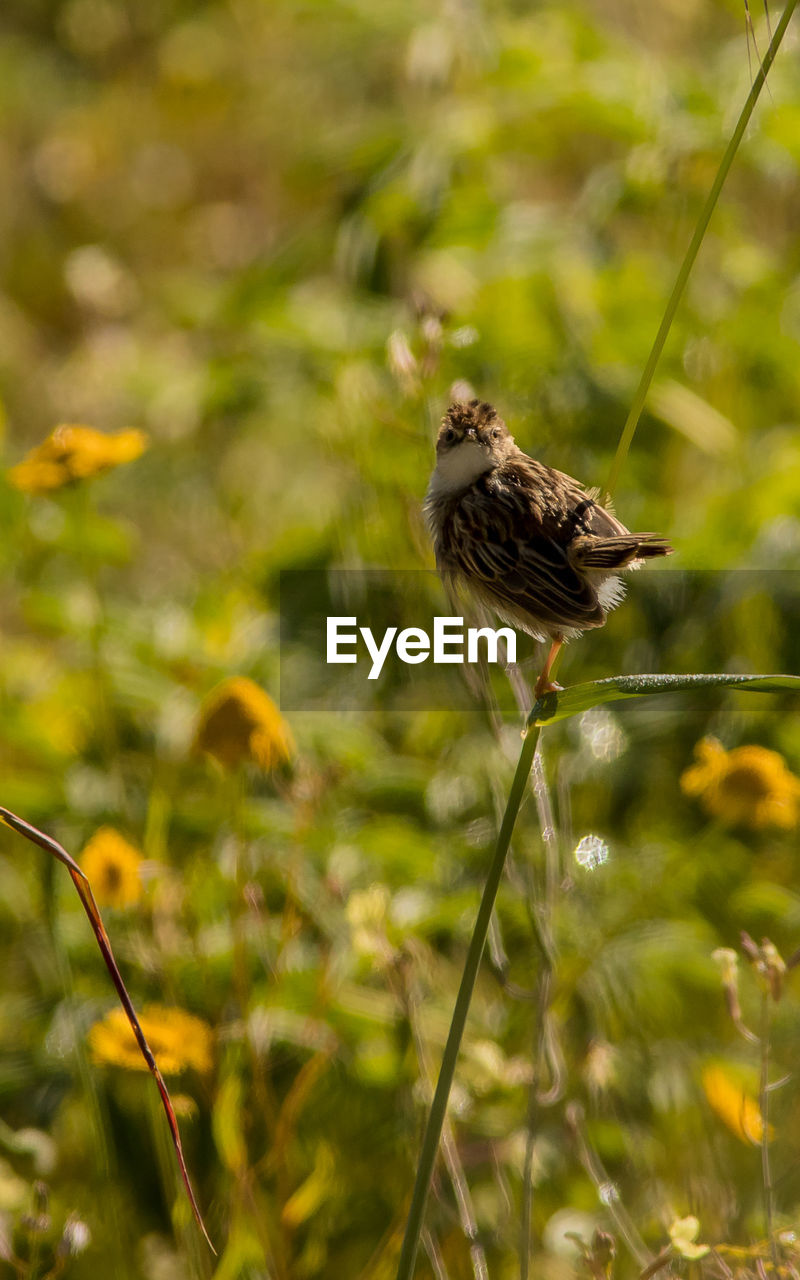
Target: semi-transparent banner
[{"x": 392, "y": 640}]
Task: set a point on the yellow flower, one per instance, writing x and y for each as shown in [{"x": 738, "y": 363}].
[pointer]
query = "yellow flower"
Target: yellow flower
[
  {"x": 737, "y": 1109},
  {"x": 749, "y": 785},
  {"x": 239, "y": 722},
  {"x": 180, "y": 1042},
  {"x": 683, "y": 1233},
  {"x": 113, "y": 868},
  {"x": 74, "y": 452}
]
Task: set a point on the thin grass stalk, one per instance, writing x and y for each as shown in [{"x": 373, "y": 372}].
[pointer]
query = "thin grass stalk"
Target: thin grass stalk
[
  {"x": 607, "y": 1191},
  {"x": 433, "y": 1128},
  {"x": 434, "y": 1256},
  {"x": 546, "y": 1060},
  {"x": 175, "y": 1206},
  {"x": 550, "y": 841},
  {"x": 534, "y": 1106},
  {"x": 658, "y": 1264},
  {"x": 452, "y": 1160},
  {"x": 466, "y": 1209},
  {"x": 84, "y": 890},
  {"x": 640, "y": 397},
  {"x": 766, "y": 1169}
]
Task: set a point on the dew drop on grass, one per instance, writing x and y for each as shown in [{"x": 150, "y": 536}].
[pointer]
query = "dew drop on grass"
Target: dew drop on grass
[
  {"x": 591, "y": 852},
  {"x": 608, "y": 1192}
]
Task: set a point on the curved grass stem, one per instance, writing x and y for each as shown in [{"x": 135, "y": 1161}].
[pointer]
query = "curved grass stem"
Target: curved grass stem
[{"x": 640, "y": 397}]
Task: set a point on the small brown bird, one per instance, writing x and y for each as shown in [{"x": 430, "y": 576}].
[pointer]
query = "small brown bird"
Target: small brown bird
[{"x": 526, "y": 540}]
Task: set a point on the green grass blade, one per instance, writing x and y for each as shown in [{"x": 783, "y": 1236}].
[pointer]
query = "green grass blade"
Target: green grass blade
[
  {"x": 694, "y": 247},
  {"x": 433, "y": 1129},
  {"x": 581, "y": 697}
]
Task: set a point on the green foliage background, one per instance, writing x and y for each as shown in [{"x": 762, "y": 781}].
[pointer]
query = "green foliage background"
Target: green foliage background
[{"x": 234, "y": 224}]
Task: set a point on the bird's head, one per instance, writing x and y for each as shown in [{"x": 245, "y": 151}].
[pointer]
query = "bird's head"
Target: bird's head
[{"x": 472, "y": 439}]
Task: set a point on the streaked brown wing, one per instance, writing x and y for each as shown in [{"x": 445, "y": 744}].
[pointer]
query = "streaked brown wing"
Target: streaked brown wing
[
  {"x": 503, "y": 544},
  {"x": 587, "y": 514},
  {"x": 547, "y": 589}
]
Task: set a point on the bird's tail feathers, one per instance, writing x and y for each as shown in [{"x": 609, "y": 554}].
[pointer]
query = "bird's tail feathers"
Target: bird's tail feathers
[{"x": 619, "y": 552}]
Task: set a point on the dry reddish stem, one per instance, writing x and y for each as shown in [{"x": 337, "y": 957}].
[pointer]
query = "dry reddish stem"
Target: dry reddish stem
[{"x": 90, "y": 907}]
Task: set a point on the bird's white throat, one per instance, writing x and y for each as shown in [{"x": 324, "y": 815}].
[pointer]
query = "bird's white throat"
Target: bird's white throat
[{"x": 458, "y": 468}]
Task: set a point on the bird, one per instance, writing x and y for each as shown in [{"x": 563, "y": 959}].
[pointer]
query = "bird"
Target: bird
[{"x": 530, "y": 542}]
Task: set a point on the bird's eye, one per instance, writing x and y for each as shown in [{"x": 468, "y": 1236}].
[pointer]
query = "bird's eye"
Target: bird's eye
[
  {"x": 449, "y": 435},
  {"x": 495, "y": 433}
]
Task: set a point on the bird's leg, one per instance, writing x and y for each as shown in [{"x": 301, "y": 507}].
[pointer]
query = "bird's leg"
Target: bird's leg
[{"x": 544, "y": 684}]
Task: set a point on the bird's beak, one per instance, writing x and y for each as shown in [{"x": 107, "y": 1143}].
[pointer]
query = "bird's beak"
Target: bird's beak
[{"x": 471, "y": 433}]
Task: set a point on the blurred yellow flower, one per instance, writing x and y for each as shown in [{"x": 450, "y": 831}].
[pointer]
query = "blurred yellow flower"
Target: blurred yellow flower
[
  {"x": 749, "y": 785},
  {"x": 113, "y": 868},
  {"x": 683, "y": 1233},
  {"x": 180, "y": 1042},
  {"x": 73, "y": 452},
  {"x": 240, "y": 722},
  {"x": 737, "y": 1109}
]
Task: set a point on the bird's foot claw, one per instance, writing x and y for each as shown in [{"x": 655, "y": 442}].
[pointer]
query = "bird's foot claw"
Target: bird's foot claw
[{"x": 543, "y": 687}]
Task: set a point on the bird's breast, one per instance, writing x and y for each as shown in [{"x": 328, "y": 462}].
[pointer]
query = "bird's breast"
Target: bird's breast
[{"x": 456, "y": 469}]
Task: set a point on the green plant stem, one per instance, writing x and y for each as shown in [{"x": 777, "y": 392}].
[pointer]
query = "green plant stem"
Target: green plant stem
[
  {"x": 606, "y": 1189},
  {"x": 450, "y": 1155},
  {"x": 544, "y": 996},
  {"x": 766, "y": 1170},
  {"x": 691, "y": 253},
  {"x": 433, "y": 1129}
]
